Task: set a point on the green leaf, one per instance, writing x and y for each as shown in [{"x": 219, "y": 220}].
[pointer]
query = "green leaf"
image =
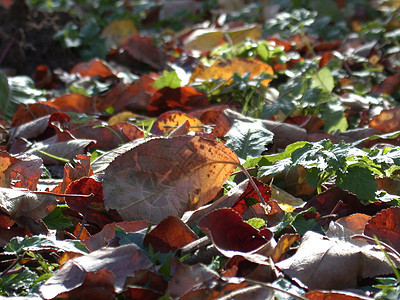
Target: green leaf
[
  {"x": 169, "y": 79},
  {"x": 248, "y": 139},
  {"x": 130, "y": 237},
  {"x": 18, "y": 283},
  {"x": 359, "y": 180},
  {"x": 323, "y": 80},
  {"x": 256, "y": 222},
  {"x": 57, "y": 220},
  {"x": 36, "y": 243},
  {"x": 5, "y": 96}
]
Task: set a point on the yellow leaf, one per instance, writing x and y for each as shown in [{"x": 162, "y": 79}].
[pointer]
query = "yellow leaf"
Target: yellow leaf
[
  {"x": 204, "y": 39},
  {"x": 227, "y": 68},
  {"x": 239, "y": 34},
  {"x": 118, "y": 31}
]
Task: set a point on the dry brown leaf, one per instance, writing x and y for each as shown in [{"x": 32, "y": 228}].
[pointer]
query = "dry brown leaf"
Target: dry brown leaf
[
  {"x": 324, "y": 263},
  {"x": 166, "y": 177},
  {"x": 18, "y": 203},
  {"x": 122, "y": 261},
  {"x": 227, "y": 68}
]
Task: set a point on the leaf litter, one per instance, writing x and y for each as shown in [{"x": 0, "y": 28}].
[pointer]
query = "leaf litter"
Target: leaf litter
[{"x": 233, "y": 150}]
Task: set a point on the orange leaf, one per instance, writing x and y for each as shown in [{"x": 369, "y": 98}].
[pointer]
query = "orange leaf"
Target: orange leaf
[
  {"x": 226, "y": 68},
  {"x": 92, "y": 68},
  {"x": 169, "y": 120},
  {"x": 387, "y": 121}
]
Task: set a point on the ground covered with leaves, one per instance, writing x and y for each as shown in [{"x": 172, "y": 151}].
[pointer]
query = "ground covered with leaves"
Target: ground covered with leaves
[{"x": 200, "y": 149}]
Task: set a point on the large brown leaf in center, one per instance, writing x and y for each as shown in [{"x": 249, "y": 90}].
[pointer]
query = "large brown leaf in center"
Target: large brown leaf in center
[{"x": 166, "y": 177}]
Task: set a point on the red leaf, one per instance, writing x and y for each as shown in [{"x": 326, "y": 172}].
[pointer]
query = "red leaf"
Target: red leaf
[
  {"x": 184, "y": 98},
  {"x": 92, "y": 208},
  {"x": 142, "y": 49},
  {"x": 250, "y": 193},
  {"x": 386, "y": 226},
  {"x": 233, "y": 234},
  {"x": 169, "y": 235}
]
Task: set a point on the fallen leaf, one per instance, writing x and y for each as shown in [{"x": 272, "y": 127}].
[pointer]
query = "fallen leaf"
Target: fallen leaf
[
  {"x": 234, "y": 236},
  {"x": 102, "y": 238},
  {"x": 385, "y": 226},
  {"x": 204, "y": 39},
  {"x": 122, "y": 262},
  {"x": 73, "y": 102},
  {"x": 31, "y": 112},
  {"x": 143, "y": 50},
  {"x": 6, "y": 163},
  {"x": 387, "y": 121},
  {"x": 327, "y": 203},
  {"x": 188, "y": 278},
  {"x": 92, "y": 208},
  {"x": 27, "y": 171},
  {"x": 95, "y": 67},
  {"x": 169, "y": 120},
  {"x": 117, "y": 31},
  {"x": 227, "y": 68},
  {"x": 242, "y": 33},
  {"x": 64, "y": 150},
  {"x": 183, "y": 98},
  {"x": 17, "y": 203},
  {"x": 166, "y": 177},
  {"x": 390, "y": 85},
  {"x": 283, "y": 246},
  {"x": 77, "y": 168},
  {"x": 246, "y": 200},
  {"x": 326, "y": 263},
  {"x": 169, "y": 235}
]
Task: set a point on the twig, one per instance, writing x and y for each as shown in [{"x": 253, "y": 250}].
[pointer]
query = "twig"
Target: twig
[
  {"x": 64, "y": 195},
  {"x": 11, "y": 266}
]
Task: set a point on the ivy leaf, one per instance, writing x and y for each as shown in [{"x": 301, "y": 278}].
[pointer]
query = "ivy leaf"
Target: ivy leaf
[{"x": 248, "y": 139}]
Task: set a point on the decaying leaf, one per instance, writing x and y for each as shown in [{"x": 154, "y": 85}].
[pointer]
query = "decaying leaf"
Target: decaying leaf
[
  {"x": 327, "y": 263},
  {"x": 17, "y": 203},
  {"x": 57, "y": 153},
  {"x": 122, "y": 261},
  {"x": 166, "y": 177}
]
